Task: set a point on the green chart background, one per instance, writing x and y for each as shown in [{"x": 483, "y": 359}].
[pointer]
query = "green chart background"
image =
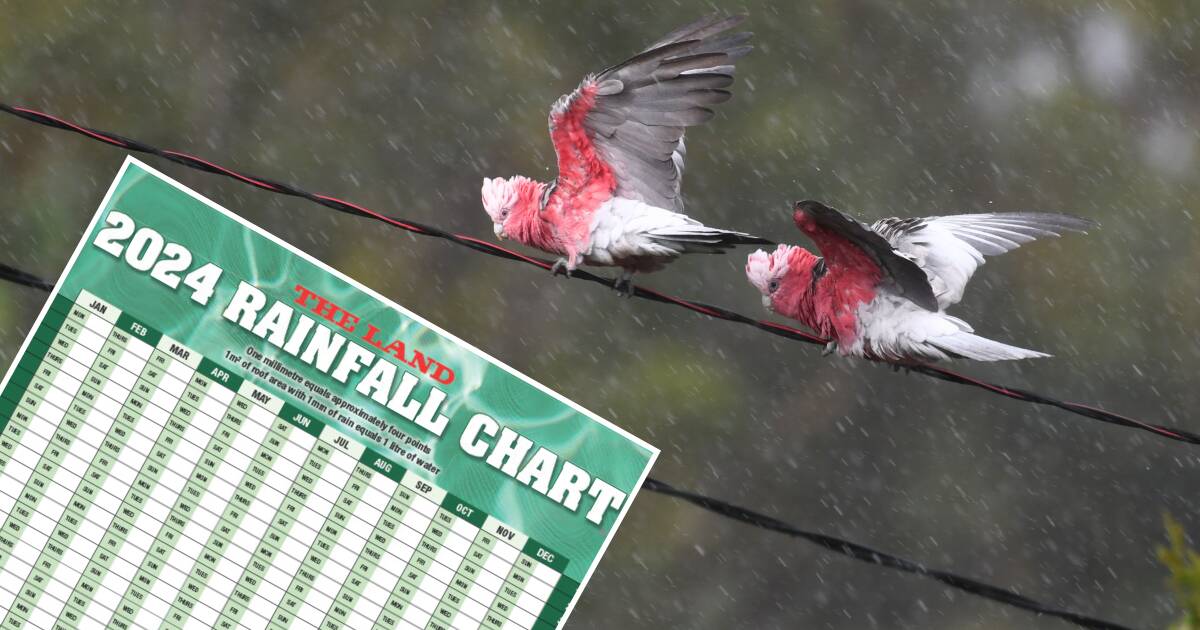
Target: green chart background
[{"x": 481, "y": 384}]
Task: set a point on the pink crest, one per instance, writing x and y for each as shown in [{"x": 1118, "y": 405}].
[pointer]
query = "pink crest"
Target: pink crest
[
  {"x": 762, "y": 268},
  {"x": 499, "y": 194}
]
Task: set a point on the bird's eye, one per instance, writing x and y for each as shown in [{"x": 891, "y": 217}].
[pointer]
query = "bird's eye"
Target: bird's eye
[
  {"x": 772, "y": 286},
  {"x": 504, "y": 214}
]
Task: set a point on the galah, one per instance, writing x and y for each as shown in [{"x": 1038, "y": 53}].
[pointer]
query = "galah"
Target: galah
[
  {"x": 881, "y": 291},
  {"x": 619, "y": 143}
]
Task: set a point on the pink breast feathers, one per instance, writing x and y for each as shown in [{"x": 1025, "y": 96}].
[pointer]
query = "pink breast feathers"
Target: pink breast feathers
[
  {"x": 850, "y": 282},
  {"x": 585, "y": 181}
]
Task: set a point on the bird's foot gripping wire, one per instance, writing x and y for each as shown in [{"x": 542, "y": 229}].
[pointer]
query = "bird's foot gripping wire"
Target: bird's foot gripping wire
[
  {"x": 561, "y": 268},
  {"x": 907, "y": 366},
  {"x": 829, "y": 348},
  {"x": 624, "y": 285}
]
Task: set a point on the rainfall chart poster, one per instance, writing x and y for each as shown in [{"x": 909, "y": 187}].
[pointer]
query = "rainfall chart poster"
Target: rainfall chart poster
[{"x": 414, "y": 480}]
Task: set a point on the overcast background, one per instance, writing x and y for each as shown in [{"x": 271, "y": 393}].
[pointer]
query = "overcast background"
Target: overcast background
[{"x": 877, "y": 107}]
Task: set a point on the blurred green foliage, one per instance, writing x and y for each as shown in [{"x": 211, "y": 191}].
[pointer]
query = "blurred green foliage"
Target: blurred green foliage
[{"x": 1184, "y": 565}]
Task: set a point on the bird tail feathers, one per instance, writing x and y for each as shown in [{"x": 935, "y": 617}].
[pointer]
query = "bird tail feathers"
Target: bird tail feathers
[
  {"x": 704, "y": 239},
  {"x": 968, "y": 346}
]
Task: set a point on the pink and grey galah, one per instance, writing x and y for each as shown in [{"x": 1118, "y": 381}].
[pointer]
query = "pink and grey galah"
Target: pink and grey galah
[
  {"x": 881, "y": 291},
  {"x": 619, "y": 144}
]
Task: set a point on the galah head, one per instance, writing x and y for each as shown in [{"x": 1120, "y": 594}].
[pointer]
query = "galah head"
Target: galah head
[
  {"x": 783, "y": 276},
  {"x": 503, "y": 197}
]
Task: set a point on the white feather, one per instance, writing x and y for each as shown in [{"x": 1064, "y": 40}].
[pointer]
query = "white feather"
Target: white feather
[
  {"x": 892, "y": 327},
  {"x": 949, "y": 249},
  {"x": 638, "y": 236}
]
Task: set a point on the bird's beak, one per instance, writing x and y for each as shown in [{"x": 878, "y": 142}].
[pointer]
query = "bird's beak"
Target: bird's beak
[
  {"x": 499, "y": 229},
  {"x": 766, "y": 302}
]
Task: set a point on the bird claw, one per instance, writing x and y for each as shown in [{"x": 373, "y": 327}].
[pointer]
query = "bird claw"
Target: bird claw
[
  {"x": 829, "y": 348},
  {"x": 561, "y": 268},
  {"x": 896, "y": 367},
  {"x": 624, "y": 287}
]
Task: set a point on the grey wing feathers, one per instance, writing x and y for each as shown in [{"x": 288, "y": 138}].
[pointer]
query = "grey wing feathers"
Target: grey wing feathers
[
  {"x": 701, "y": 28},
  {"x": 643, "y": 106},
  {"x": 950, "y": 248},
  {"x": 997, "y": 233}
]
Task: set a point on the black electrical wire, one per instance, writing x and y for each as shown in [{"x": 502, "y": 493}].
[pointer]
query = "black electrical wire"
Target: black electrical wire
[
  {"x": 716, "y": 312},
  {"x": 863, "y": 553}
]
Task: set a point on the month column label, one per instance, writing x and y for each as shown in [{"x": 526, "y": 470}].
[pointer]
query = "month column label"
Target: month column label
[
  {"x": 86, "y": 514},
  {"x": 109, "y": 479},
  {"x": 60, "y": 415},
  {"x": 276, "y": 555}
]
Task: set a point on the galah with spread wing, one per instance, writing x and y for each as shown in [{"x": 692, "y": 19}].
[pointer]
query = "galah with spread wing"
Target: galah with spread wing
[
  {"x": 881, "y": 291},
  {"x": 619, "y": 141}
]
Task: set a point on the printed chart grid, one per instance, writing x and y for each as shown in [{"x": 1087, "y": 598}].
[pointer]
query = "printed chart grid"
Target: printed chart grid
[{"x": 145, "y": 486}]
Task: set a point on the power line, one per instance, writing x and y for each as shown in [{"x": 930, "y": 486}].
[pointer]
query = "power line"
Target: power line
[
  {"x": 13, "y": 274},
  {"x": 716, "y": 506},
  {"x": 863, "y": 553},
  {"x": 716, "y": 312}
]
